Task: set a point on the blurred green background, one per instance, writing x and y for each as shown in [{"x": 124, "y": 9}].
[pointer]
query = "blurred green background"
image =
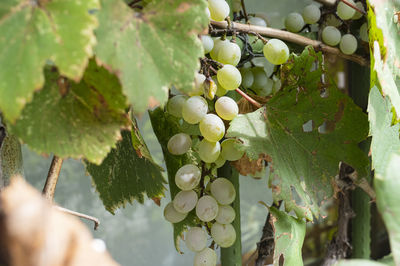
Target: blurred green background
[{"x": 138, "y": 234}]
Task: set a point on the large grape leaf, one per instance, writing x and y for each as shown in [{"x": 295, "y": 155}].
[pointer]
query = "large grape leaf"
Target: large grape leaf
[
  {"x": 31, "y": 34},
  {"x": 74, "y": 119},
  {"x": 304, "y": 162},
  {"x": 385, "y": 47},
  {"x": 165, "y": 126},
  {"x": 289, "y": 234},
  {"x": 125, "y": 174},
  {"x": 385, "y": 151},
  {"x": 153, "y": 49}
]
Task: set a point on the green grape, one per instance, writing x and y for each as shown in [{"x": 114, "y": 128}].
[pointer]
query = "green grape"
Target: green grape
[
  {"x": 196, "y": 239},
  {"x": 223, "y": 191},
  {"x": 294, "y": 22},
  {"x": 256, "y": 44},
  {"x": 220, "y": 91},
  {"x": 276, "y": 52},
  {"x": 223, "y": 234},
  {"x": 260, "y": 78},
  {"x": 206, "y": 257},
  {"x": 226, "y": 214},
  {"x": 208, "y": 13},
  {"x": 218, "y": 43},
  {"x": 240, "y": 43},
  {"x": 185, "y": 201},
  {"x": 220, "y": 161},
  {"x": 348, "y": 44},
  {"x": 174, "y": 105},
  {"x": 226, "y": 108},
  {"x": 358, "y": 15},
  {"x": 265, "y": 90},
  {"x": 257, "y": 21},
  {"x": 364, "y": 32},
  {"x": 331, "y": 35},
  {"x": 208, "y": 43},
  {"x": 179, "y": 144},
  {"x": 229, "y": 77},
  {"x": 229, "y": 150},
  {"x": 311, "y": 14},
  {"x": 212, "y": 128},
  {"x": 194, "y": 109},
  {"x": 229, "y": 53},
  {"x": 344, "y": 11},
  {"x": 264, "y": 63},
  {"x": 171, "y": 215},
  {"x": 209, "y": 151},
  {"x": 219, "y": 9},
  {"x": 207, "y": 208},
  {"x": 198, "y": 88},
  {"x": 188, "y": 177},
  {"x": 247, "y": 78}
]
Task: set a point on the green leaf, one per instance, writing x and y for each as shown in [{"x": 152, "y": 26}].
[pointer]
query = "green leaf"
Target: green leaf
[
  {"x": 385, "y": 150},
  {"x": 165, "y": 127},
  {"x": 151, "y": 50},
  {"x": 289, "y": 234},
  {"x": 74, "y": 119},
  {"x": 356, "y": 262},
  {"x": 385, "y": 47},
  {"x": 304, "y": 163},
  {"x": 59, "y": 30},
  {"x": 125, "y": 175}
]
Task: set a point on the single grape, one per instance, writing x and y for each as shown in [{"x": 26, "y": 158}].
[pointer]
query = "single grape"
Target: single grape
[
  {"x": 229, "y": 77},
  {"x": 171, "y": 215},
  {"x": 311, "y": 14},
  {"x": 208, "y": 13},
  {"x": 207, "y": 208},
  {"x": 208, "y": 43},
  {"x": 348, "y": 44},
  {"x": 219, "y": 9},
  {"x": 257, "y": 21},
  {"x": 364, "y": 32},
  {"x": 294, "y": 22},
  {"x": 223, "y": 191},
  {"x": 226, "y": 108},
  {"x": 194, "y": 109},
  {"x": 226, "y": 214},
  {"x": 209, "y": 151},
  {"x": 196, "y": 239},
  {"x": 344, "y": 11},
  {"x": 229, "y": 53},
  {"x": 174, "y": 105},
  {"x": 256, "y": 44},
  {"x": 247, "y": 78},
  {"x": 220, "y": 161},
  {"x": 179, "y": 144},
  {"x": 220, "y": 91},
  {"x": 260, "y": 78},
  {"x": 331, "y": 35},
  {"x": 185, "y": 201},
  {"x": 265, "y": 90},
  {"x": 358, "y": 15},
  {"x": 188, "y": 177},
  {"x": 198, "y": 89},
  {"x": 223, "y": 234},
  {"x": 276, "y": 51},
  {"x": 218, "y": 43},
  {"x": 229, "y": 150},
  {"x": 206, "y": 257},
  {"x": 264, "y": 63},
  {"x": 212, "y": 128}
]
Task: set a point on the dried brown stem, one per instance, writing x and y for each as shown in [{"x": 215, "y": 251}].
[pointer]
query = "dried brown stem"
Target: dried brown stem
[
  {"x": 244, "y": 10},
  {"x": 52, "y": 178},
  {"x": 248, "y": 98},
  {"x": 291, "y": 37},
  {"x": 81, "y": 215}
]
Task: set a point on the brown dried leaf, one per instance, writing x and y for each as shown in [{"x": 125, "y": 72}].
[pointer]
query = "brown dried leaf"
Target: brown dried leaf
[
  {"x": 35, "y": 234},
  {"x": 245, "y": 166}
]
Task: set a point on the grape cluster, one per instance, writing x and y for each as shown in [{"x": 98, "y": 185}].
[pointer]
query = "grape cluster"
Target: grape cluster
[{"x": 331, "y": 35}]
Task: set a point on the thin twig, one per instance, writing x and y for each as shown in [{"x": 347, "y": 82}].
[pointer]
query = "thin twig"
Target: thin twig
[
  {"x": 354, "y": 7},
  {"x": 248, "y": 98},
  {"x": 81, "y": 215},
  {"x": 291, "y": 37},
  {"x": 244, "y": 10},
  {"x": 52, "y": 178}
]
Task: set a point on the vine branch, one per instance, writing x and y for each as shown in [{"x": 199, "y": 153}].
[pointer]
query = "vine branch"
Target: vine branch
[
  {"x": 52, "y": 178},
  {"x": 248, "y": 98},
  {"x": 81, "y": 215},
  {"x": 290, "y": 37}
]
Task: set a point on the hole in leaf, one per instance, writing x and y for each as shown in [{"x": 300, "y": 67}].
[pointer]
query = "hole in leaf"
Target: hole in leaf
[
  {"x": 324, "y": 93},
  {"x": 326, "y": 127},
  {"x": 341, "y": 80},
  {"x": 308, "y": 126}
]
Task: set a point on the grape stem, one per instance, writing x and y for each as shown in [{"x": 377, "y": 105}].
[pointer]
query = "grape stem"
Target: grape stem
[
  {"x": 248, "y": 98},
  {"x": 354, "y": 7},
  {"x": 244, "y": 10},
  {"x": 290, "y": 37},
  {"x": 52, "y": 178},
  {"x": 78, "y": 214}
]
